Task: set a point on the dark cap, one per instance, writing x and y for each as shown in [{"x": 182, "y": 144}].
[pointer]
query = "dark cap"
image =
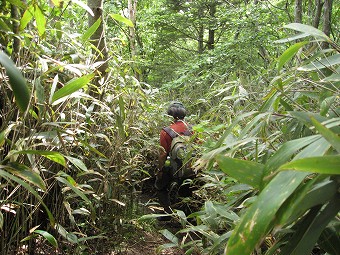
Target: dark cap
[{"x": 177, "y": 110}]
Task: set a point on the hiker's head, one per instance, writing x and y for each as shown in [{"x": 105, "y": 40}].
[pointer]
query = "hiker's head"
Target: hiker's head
[{"x": 177, "y": 110}]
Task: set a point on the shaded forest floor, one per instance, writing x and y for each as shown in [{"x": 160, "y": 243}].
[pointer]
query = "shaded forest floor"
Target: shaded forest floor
[
  {"x": 134, "y": 238},
  {"x": 149, "y": 241}
]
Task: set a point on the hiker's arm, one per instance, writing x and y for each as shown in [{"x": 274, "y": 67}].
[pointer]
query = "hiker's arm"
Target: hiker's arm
[
  {"x": 161, "y": 158},
  {"x": 163, "y": 151}
]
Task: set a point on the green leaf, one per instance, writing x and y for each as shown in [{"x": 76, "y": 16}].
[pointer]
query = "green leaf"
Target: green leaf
[
  {"x": 268, "y": 105},
  {"x": 72, "y": 86},
  {"x": 26, "y": 18},
  {"x": 17, "y": 3},
  {"x": 120, "y": 18},
  {"x": 151, "y": 216},
  {"x": 25, "y": 173},
  {"x": 308, "y": 196},
  {"x": 4, "y": 133},
  {"x": 39, "y": 91},
  {"x": 330, "y": 239},
  {"x": 91, "y": 30},
  {"x": 40, "y": 95},
  {"x": 51, "y": 155},
  {"x": 17, "y": 82},
  {"x": 170, "y": 236},
  {"x": 53, "y": 88},
  {"x": 165, "y": 246},
  {"x": 286, "y": 151},
  {"x": 244, "y": 171},
  {"x": 330, "y": 136},
  {"x": 47, "y": 236},
  {"x": 221, "y": 240},
  {"x": 84, "y": 6},
  {"x": 305, "y": 117},
  {"x": 40, "y": 20},
  {"x": 1, "y": 220},
  {"x": 82, "y": 211},
  {"x": 311, "y": 228},
  {"x": 326, "y": 105},
  {"x": 78, "y": 163},
  {"x": 309, "y": 30},
  {"x": 232, "y": 126},
  {"x": 259, "y": 218},
  {"x": 59, "y": 31},
  {"x": 7, "y": 175},
  {"x": 91, "y": 148},
  {"x": 4, "y": 27},
  {"x": 228, "y": 214},
  {"x": 289, "y": 54},
  {"x": 57, "y": 3},
  {"x": 77, "y": 191},
  {"x": 250, "y": 125},
  {"x": 292, "y": 38},
  {"x": 323, "y": 165},
  {"x": 68, "y": 236},
  {"x": 335, "y": 77},
  {"x": 322, "y": 63}
]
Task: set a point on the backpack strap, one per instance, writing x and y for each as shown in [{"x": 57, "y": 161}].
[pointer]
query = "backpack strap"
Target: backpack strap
[
  {"x": 170, "y": 132},
  {"x": 187, "y": 132}
]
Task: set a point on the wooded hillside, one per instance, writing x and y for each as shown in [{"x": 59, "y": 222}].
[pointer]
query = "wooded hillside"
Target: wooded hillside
[{"x": 84, "y": 91}]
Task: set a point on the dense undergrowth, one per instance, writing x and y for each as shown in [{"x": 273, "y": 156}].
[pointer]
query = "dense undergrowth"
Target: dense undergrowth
[{"x": 77, "y": 149}]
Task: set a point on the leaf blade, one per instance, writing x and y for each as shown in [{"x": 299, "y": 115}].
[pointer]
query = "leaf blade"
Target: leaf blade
[
  {"x": 30, "y": 189},
  {"x": 330, "y": 136},
  {"x": 91, "y": 30},
  {"x": 289, "y": 54},
  {"x": 258, "y": 219},
  {"x": 40, "y": 20},
  {"x": 323, "y": 165},
  {"x": 26, "y": 173},
  {"x": 17, "y": 82},
  {"x": 72, "y": 86},
  {"x": 48, "y": 237},
  {"x": 51, "y": 155},
  {"x": 122, "y": 19},
  {"x": 244, "y": 171}
]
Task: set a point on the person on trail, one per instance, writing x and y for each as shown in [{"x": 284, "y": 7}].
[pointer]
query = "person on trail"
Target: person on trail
[{"x": 165, "y": 176}]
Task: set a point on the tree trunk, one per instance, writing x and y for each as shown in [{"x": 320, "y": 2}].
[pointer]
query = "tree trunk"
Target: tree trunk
[
  {"x": 318, "y": 6},
  {"x": 298, "y": 11},
  {"x": 132, "y": 7},
  {"x": 327, "y": 20},
  {"x": 327, "y": 17},
  {"x": 15, "y": 28},
  {"x": 200, "y": 32},
  {"x": 98, "y": 38},
  {"x": 211, "y": 39}
]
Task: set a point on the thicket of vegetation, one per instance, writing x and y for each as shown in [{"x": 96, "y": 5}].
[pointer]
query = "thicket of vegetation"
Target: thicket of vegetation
[{"x": 83, "y": 93}]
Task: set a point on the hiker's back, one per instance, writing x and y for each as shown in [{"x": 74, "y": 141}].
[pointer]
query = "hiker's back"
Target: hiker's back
[{"x": 181, "y": 151}]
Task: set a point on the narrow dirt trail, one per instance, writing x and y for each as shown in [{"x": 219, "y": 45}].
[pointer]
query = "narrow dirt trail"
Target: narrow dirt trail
[{"x": 149, "y": 242}]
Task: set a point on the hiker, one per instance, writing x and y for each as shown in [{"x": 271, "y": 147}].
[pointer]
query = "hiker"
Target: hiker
[{"x": 169, "y": 168}]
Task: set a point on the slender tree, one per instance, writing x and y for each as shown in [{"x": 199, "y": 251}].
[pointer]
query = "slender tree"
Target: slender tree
[
  {"x": 317, "y": 15},
  {"x": 327, "y": 17},
  {"x": 327, "y": 20},
  {"x": 298, "y": 11},
  {"x": 200, "y": 34},
  {"x": 132, "y": 7},
  {"x": 15, "y": 27},
  {"x": 212, "y": 12},
  {"x": 98, "y": 38}
]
